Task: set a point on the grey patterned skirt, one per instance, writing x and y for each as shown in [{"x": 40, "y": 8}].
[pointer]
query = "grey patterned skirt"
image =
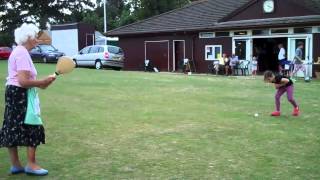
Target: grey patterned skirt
[{"x": 14, "y": 132}]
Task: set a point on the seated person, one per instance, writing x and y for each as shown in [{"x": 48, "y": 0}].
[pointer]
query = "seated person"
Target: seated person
[{"x": 148, "y": 66}]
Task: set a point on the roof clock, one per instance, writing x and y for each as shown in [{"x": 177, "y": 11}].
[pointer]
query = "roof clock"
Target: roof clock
[{"x": 268, "y": 6}]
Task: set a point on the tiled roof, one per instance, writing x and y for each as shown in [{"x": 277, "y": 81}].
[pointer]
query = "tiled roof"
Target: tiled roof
[
  {"x": 205, "y": 14},
  {"x": 313, "y": 5},
  {"x": 194, "y": 16},
  {"x": 283, "y": 21}
]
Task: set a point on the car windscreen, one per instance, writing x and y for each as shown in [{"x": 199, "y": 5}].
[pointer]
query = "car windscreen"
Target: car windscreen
[{"x": 47, "y": 48}]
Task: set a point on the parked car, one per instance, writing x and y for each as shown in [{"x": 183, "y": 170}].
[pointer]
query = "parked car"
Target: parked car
[
  {"x": 5, "y": 52},
  {"x": 45, "y": 53},
  {"x": 100, "y": 56}
]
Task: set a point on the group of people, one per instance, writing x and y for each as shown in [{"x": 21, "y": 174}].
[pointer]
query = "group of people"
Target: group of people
[
  {"x": 227, "y": 63},
  {"x": 230, "y": 64},
  {"x": 285, "y": 66},
  {"x": 293, "y": 66}
]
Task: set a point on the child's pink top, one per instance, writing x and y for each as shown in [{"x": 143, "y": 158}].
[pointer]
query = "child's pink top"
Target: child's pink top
[{"x": 19, "y": 60}]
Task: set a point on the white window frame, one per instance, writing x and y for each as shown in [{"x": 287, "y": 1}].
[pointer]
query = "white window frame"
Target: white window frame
[
  {"x": 222, "y": 36},
  {"x": 202, "y": 37},
  {"x": 271, "y": 33},
  {"x": 213, "y": 52},
  {"x": 315, "y": 29},
  {"x": 247, "y": 31},
  {"x": 305, "y": 28}
]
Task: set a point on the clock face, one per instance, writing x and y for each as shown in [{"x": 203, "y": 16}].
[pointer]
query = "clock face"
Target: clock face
[{"x": 268, "y": 6}]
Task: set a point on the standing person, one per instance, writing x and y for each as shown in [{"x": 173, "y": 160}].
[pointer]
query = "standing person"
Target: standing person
[
  {"x": 298, "y": 60},
  {"x": 281, "y": 57},
  {"x": 226, "y": 62},
  {"x": 282, "y": 84},
  {"x": 21, "y": 76},
  {"x": 234, "y": 61},
  {"x": 254, "y": 65}
]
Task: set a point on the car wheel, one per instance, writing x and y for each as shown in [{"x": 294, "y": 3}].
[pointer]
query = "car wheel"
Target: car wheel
[
  {"x": 98, "y": 65},
  {"x": 75, "y": 62},
  {"x": 44, "y": 59}
]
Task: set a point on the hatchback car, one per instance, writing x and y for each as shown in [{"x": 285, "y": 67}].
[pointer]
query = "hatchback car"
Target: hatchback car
[
  {"x": 100, "y": 56},
  {"x": 45, "y": 53},
  {"x": 5, "y": 52}
]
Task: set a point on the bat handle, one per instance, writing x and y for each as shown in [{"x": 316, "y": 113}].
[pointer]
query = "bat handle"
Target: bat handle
[{"x": 55, "y": 74}]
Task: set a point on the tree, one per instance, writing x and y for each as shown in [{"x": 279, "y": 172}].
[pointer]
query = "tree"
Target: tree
[
  {"x": 148, "y": 8},
  {"x": 41, "y": 11},
  {"x": 96, "y": 17}
]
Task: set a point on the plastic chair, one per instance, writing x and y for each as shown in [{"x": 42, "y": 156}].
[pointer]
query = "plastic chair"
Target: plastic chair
[{"x": 244, "y": 67}]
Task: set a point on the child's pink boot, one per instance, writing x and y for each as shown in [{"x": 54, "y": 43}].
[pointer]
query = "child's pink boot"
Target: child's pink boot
[
  {"x": 275, "y": 113},
  {"x": 296, "y": 111}
]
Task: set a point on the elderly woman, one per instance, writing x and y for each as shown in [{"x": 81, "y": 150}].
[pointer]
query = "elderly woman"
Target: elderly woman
[{"x": 21, "y": 76}]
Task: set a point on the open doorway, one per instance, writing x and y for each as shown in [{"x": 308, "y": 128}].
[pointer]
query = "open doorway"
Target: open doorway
[
  {"x": 178, "y": 55},
  {"x": 266, "y": 49}
]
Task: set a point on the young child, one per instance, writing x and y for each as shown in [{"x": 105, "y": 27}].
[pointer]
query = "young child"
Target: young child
[
  {"x": 282, "y": 84},
  {"x": 254, "y": 66}
]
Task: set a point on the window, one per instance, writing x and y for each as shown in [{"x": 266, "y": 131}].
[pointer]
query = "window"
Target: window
[
  {"x": 206, "y": 35},
  {"x": 101, "y": 50},
  {"x": 303, "y": 30},
  {"x": 240, "y": 33},
  {"x": 213, "y": 52},
  {"x": 94, "y": 49},
  {"x": 85, "y": 50},
  {"x": 260, "y": 32},
  {"x": 279, "y": 31},
  {"x": 222, "y": 34},
  {"x": 241, "y": 50},
  {"x": 35, "y": 50},
  {"x": 113, "y": 49}
]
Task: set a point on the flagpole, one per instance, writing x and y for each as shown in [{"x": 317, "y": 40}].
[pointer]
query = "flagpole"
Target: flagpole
[{"x": 105, "y": 18}]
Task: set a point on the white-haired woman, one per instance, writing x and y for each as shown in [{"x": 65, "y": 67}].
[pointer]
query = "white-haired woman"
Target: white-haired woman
[{"x": 21, "y": 76}]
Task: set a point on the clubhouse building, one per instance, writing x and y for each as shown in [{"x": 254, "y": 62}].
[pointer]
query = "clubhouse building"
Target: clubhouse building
[{"x": 205, "y": 29}]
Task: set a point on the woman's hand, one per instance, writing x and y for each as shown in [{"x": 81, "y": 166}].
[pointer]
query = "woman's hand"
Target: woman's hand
[{"x": 47, "y": 81}]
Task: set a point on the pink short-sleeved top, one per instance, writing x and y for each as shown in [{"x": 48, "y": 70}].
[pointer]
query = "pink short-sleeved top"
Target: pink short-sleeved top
[{"x": 20, "y": 60}]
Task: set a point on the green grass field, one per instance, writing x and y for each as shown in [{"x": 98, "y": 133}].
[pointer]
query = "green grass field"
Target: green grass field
[{"x": 134, "y": 125}]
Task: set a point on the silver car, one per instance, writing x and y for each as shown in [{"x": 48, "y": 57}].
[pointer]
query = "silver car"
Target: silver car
[{"x": 100, "y": 56}]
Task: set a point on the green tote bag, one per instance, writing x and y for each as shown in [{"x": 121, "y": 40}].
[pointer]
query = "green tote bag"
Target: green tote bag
[{"x": 33, "y": 108}]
